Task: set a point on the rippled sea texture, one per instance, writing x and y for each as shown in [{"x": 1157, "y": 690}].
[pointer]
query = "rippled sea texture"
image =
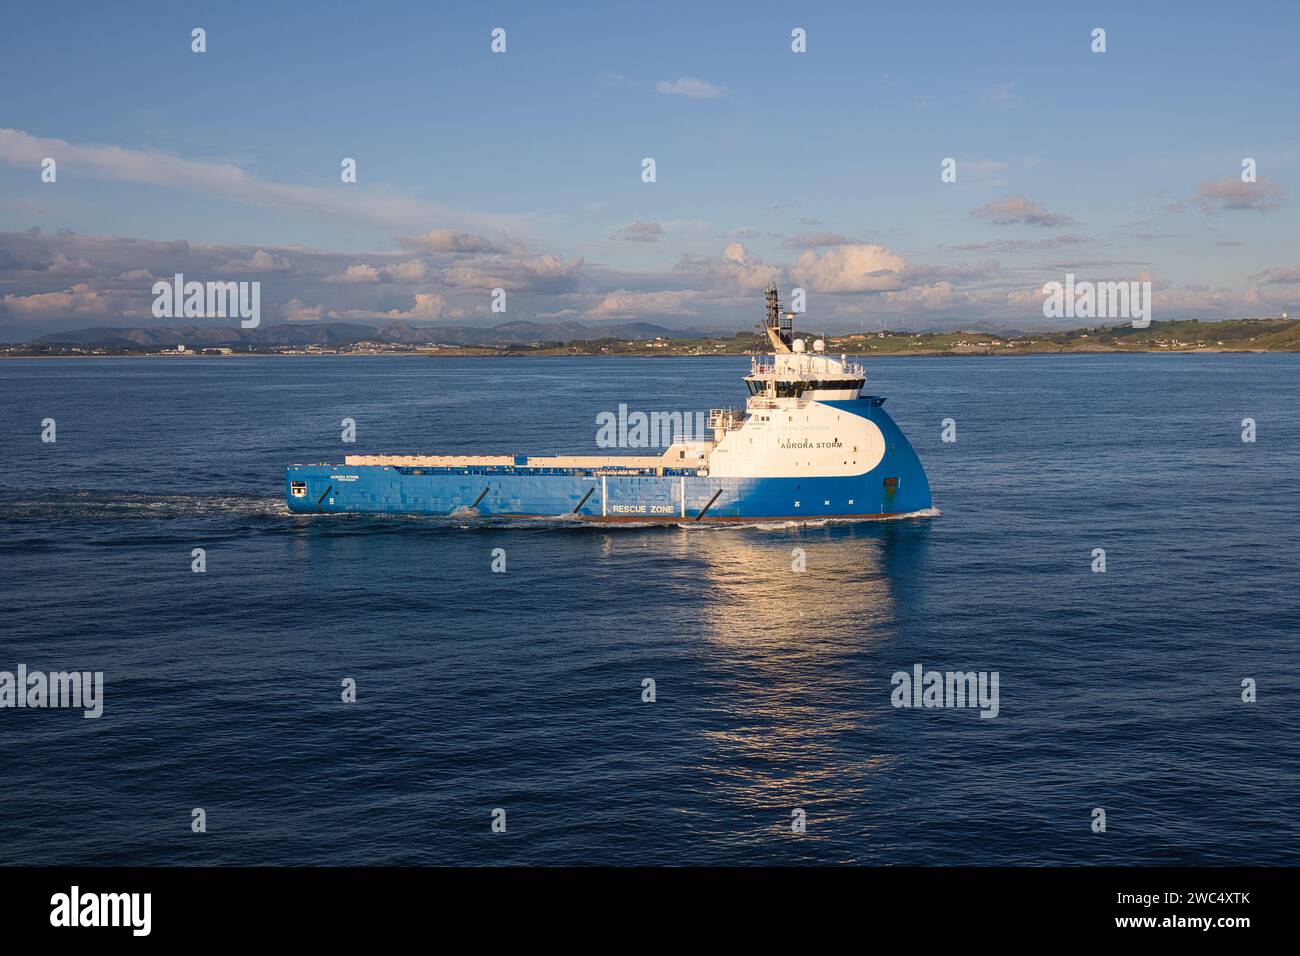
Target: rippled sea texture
[{"x": 522, "y": 690}]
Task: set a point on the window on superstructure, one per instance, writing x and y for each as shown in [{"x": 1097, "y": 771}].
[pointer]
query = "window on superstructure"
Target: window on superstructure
[
  {"x": 845, "y": 383},
  {"x": 796, "y": 389}
]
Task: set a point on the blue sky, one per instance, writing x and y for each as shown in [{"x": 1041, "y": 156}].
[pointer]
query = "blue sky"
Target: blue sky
[{"x": 522, "y": 170}]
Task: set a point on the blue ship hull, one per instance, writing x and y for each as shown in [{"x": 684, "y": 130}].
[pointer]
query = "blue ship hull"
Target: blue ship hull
[{"x": 897, "y": 485}]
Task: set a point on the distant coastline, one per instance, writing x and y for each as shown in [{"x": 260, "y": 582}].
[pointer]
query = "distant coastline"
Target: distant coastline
[{"x": 1183, "y": 336}]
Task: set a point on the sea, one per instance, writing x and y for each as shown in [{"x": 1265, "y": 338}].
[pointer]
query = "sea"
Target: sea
[{"x": 1104, "y": 540}]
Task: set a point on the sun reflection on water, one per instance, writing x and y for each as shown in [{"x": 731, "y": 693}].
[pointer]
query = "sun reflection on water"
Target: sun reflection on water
[{"x": 796, "y": 665}]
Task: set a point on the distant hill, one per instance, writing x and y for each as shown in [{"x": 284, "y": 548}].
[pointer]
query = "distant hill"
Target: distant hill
[
  {"x": 1275, "y": 334},
  {"x": 346, "y": 333},
  {"x": 641, "y": 338}
]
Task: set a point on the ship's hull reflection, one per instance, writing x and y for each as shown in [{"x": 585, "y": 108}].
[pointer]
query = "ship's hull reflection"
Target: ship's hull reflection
[{"x": 791, "y": 676}]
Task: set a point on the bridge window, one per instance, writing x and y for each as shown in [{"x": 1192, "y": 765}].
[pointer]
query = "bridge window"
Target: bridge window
[{"x": 796, "y": 389}]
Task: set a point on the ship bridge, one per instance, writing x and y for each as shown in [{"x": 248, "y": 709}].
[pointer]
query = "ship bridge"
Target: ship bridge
[
  {"x": 799, "y": 374},
  {"x": 796, "y": 372}
]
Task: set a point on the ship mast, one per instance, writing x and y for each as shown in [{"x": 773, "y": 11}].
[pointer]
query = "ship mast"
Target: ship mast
[{"x": 779, "y": 327}]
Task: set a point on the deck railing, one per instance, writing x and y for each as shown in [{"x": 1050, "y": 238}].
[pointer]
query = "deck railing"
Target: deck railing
[
  {"x": 761, "y": 369},
  {"x": 725, "y": 419}
]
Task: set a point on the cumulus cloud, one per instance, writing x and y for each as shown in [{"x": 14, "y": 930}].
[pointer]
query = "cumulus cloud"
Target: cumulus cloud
[
  {"x": 449, "y": 240},
  {"x": 360, "y": 272},
  {"x": 1221, "y": 195},
  {"x": 691, "y": 88},
  {"x": 62, "y": 265},
  {"x": 1171, "y": 301},
  {"x": 1278, "y": 286},
  {"x": 625, "y": 304},
  {"x": 640, "y": 232},
  {"x": 856, "y": 268},
  {"x": 540, "y": 273},
  {"x": 1017, "y": 209},
  {"x": 937, "y": 295},
  {"x": 428, "y": 307},
  {"x": 747, "y": 269},
  {"x": 259, "y": 261},
  {"x": 79, "y": 302},
  {"x": 295, "y": 310},
  {"x": 1277, "y": 274},
  {"x": 411, "y": 270},
  {"x": 737, "y": 266},
  {"x": 120, "y": 270}
]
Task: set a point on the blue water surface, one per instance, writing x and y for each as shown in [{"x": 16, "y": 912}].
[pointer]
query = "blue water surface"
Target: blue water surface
[{"x": 523, "y": 690}]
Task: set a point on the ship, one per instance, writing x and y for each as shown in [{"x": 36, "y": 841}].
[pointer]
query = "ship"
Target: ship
[{"x": 808, "y": 446}]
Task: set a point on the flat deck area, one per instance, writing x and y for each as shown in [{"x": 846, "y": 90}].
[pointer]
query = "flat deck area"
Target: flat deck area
[
  {"x": 478, "y": 461},
  {"x": 672, "y": 458}
]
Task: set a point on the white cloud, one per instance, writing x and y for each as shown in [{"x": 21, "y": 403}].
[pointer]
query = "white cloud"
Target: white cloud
[
  {"x": 858, "y": 268},
  {"x": 625, "y": 304},
  {"x": 1231, "y": 193},
  {"x": 1278, "y": 285},
  {"x": 541, "y": 273},
  {"x": 79, "y": 302},
  {"x": 1284, "y": 275},
  {"x": 937, "y": 295},
  {"x": 232, "y": 182},
  {"x": 62, "y": 265},
  {"x": 360, "y": 272},
  {"x": 1018, "y": 210},
  {"x": 748, "y": 270},
  {"x": 691, "y": 88},
  {"x": 410, "y": 271},
  {"x": 736, "y": 267},
  {"x": 295, "y": 310},
  {"x": 428, "y": 306},
  {"x": 449, "y": 240},
  {"x": 260, "y": 261}
]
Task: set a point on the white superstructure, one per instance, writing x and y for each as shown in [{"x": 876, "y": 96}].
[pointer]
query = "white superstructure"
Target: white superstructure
[{"x": 786, "y": 429}]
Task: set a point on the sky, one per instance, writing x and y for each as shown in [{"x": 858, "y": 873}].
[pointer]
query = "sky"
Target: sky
[{"x": 523, "y": 170}]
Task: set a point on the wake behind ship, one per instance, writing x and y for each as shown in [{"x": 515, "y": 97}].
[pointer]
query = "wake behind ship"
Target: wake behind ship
[{"x": 809, "y": 446}]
